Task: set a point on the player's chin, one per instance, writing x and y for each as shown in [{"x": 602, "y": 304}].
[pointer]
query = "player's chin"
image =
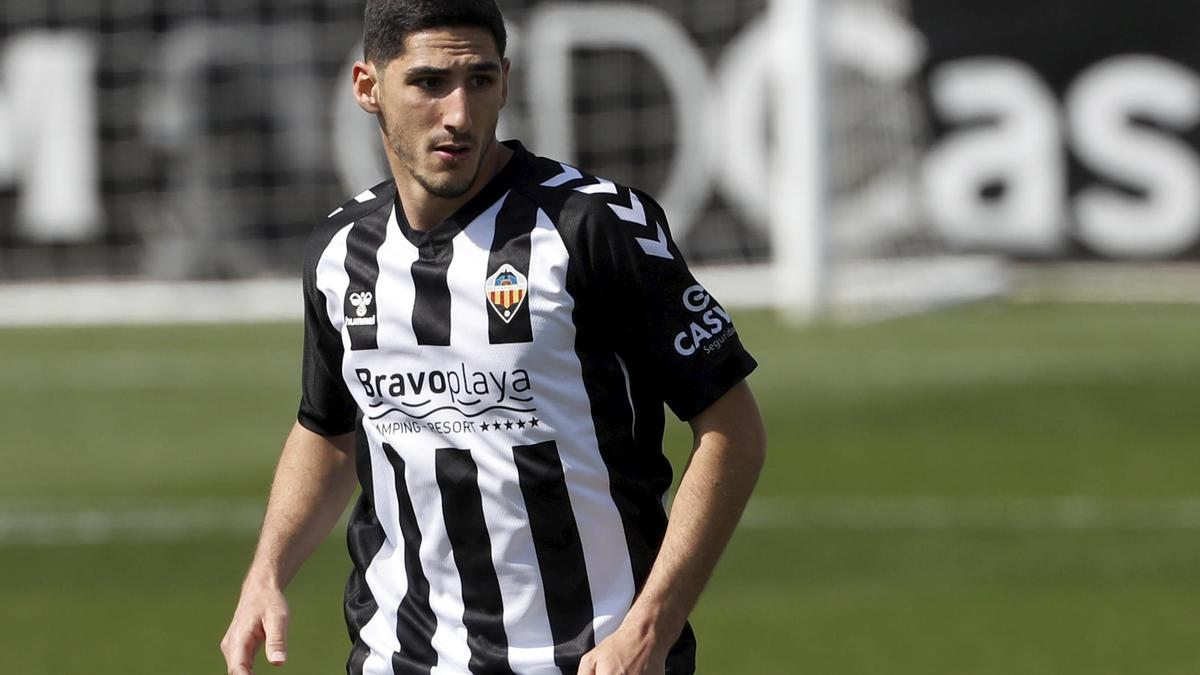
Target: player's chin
[{"x": 449, "y": 186}]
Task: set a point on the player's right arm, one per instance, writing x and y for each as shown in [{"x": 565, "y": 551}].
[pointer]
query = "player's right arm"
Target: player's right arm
[
  {"x": 315, "y": 477},
  {"x": 314, "y": 481}
]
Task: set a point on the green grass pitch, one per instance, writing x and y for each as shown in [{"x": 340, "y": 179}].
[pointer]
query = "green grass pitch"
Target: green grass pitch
[{"x": 910, "y": 519}]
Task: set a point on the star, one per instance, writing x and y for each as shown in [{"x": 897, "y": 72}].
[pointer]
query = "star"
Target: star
[
  {"x": 508, "y": 425},
  {"x": 534, "y": 422},
  {"x": 520, "y": 424},
  {"x": 485, "y": 426}
]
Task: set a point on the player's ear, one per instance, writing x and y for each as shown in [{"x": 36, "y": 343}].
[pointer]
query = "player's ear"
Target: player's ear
[
  {"x": 504, "y": 65},
  {"x": 366, "y": 86}
]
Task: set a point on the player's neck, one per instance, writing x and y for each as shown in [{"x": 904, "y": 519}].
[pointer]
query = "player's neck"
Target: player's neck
[{"x": 424, "y": 210}]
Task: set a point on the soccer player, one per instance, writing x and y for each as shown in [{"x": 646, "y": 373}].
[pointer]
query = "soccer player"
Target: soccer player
[{"x": 490, "y": 338}]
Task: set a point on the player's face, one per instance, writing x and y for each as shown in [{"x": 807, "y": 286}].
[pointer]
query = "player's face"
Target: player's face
[{"x": 440, "y": 102}]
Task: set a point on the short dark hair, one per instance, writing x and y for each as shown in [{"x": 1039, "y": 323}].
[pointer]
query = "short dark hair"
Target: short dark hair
[{"x": 388, "y": 22}]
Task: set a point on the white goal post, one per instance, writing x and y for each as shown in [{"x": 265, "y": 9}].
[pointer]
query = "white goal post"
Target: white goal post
[
  {"x": 849, "y": 239},
  {"x": 797, "y": 207}
]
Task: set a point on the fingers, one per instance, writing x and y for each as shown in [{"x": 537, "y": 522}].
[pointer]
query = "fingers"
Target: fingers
[
  {"x": 239, "y": 653},
  {"x": 276, "y": 624},
  {"x": 261, "y": 618}
]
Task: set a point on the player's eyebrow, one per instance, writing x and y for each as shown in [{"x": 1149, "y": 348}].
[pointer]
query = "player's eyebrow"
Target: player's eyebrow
[{"x": 431, "y": 71}]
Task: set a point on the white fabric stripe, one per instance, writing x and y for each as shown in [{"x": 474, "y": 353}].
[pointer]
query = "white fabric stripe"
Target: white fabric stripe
[
  {"x": 467, "y": 279},
  {"x": 445, "y": 589},
  {"x": 374, "y": 634},
  {"x": 394, "y": 291},
  {"x": 526, "y": 623},
  {"x": 386, "y": 575},
  {"x": 563, "y": 403},
  {"x": 332, "y": 279}
]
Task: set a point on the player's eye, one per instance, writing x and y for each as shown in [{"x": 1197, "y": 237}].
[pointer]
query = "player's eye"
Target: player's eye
[
  {"x": 482, "y": 81},
  {"x": 427, "y": 82}
]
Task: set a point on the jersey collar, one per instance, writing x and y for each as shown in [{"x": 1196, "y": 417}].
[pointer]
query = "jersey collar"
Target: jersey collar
[{"x": 517, "y": 168}]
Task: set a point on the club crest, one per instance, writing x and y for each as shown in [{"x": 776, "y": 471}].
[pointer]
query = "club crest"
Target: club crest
[{"x": 506, "y": 290}]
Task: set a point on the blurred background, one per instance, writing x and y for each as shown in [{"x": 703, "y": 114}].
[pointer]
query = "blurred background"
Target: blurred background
[{"x": 962, "y": 237}]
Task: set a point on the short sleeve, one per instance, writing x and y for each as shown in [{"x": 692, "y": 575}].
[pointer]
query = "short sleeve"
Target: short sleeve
[
  {"x": 326, "y": 407},
  {"x": 672, "y": 327}
]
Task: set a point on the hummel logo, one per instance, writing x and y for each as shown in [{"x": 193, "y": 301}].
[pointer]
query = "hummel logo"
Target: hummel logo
[
  {"x": 361, "y": 302},
  {"x": 364, "y": 314}
]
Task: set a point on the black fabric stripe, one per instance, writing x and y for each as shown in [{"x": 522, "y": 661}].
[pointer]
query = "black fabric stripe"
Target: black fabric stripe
[
  {"x": 364, "y": 538},
  {"x": 415, "y": 621},
  {"x": 326, "y": 406},
  {"x": 431, "y": 309},
  {"x": 559, "y": 552},
  {"x": 362, "y": 267},
  {"x": 638, "y": 471},
  {"x": 483, "y": 608},
  {"x": 354, "y": 666},
  {"x": 511, "y": 245}
]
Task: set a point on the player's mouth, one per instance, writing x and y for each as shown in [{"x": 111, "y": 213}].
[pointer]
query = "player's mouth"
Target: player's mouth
[{"x": 452, "y": 152}]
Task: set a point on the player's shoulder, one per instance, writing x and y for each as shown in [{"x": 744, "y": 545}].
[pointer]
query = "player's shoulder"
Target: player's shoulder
[
  {"x": 361, "y": 205},
  {"x": 358, "y": 207},
  {"x": 599, "y": 219},
  {"x": 575, "y": 198}
]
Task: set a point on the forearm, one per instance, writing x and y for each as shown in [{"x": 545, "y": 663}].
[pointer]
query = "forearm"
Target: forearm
[
  {"x": 313, "y": 483},
  {"x": 726, "y": 460}
]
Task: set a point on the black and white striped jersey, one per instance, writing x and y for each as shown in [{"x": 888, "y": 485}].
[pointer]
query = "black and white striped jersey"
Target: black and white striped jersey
[{"x": 505, "y": 373}]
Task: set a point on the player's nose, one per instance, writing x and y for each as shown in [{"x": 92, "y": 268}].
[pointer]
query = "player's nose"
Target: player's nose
[{"x": 456, "y": 112}]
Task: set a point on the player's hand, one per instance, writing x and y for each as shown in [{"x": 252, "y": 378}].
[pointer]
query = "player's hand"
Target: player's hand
[
  {"x": 626, "y": 652},
  {"x": 261, "y": 617}
]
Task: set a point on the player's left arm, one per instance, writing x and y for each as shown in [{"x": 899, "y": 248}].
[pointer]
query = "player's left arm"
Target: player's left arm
[{"x": 728, "y": 452}]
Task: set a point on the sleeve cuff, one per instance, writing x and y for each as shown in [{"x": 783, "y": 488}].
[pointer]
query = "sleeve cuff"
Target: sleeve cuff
[
  {"x": 723, "y": 378},
  {"x": 322, "y": 427}
]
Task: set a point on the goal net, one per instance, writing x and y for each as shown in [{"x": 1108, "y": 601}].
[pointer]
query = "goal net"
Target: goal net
[
  {"x": 200, "y": 139},
  {"x": 784, "y": 138}
]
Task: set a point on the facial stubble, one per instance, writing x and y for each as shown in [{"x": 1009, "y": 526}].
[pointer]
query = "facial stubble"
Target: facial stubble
[{"x": 411, "y": 162}]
